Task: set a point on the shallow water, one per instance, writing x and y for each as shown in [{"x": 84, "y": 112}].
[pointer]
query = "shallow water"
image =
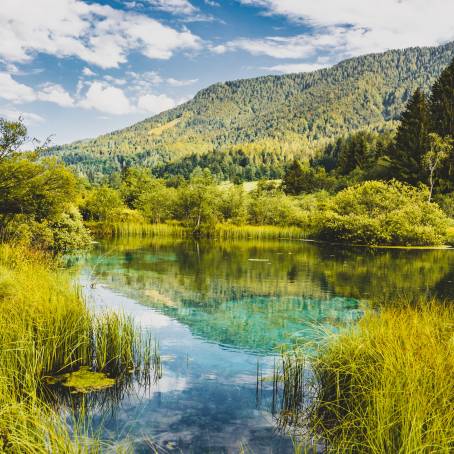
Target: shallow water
[{"x": 220, "y": 311}]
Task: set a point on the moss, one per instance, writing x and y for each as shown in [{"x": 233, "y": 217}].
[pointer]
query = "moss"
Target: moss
[{"x": 83, "y": 381}]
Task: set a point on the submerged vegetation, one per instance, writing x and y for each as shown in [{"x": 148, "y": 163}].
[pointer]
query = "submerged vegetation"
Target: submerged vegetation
[{"x": 383, "y": 386}]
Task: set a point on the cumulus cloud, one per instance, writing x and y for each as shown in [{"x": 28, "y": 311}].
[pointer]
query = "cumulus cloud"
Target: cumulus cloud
[
  {"x": 174, "y": 6},
  {"x": 13, "y": 114},
  {"x": 88, "y": 72},
  {"x": 106, "y": 98},
  {"x": 154, "y": 104},
  {"x": 354, "y": 27},
  {"x": 18, "y": 93},
  {"x": 295, "y": 68},
  {"x": 97, "y": 34},
  {"x": 57, "y": 94},
  {"x": 14, "y": 91}
]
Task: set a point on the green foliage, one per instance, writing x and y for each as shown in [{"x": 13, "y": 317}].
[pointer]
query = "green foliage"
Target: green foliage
[
  {"x": 386, "y": 386},
  {"x": 382, "y": 213},
  {"x": 37, "y": 196},
  {"x": 46, "y": 329},
  {"x": 198, "y": 202},
  {"x": 412, "y": 141},
  {"x": 13, "y": 134},
  {"x": 300, "y": 179},
  {"x": 101, "y": 204}
]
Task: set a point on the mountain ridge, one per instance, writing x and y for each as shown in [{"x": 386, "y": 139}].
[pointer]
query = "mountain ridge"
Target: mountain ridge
[{"x": 299, "y": 109}]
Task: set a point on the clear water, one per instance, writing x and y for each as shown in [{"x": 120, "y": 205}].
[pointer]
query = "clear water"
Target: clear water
[{"x": 220, "y": 309}]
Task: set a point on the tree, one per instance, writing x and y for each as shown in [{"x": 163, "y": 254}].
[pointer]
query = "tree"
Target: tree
[
  {"x": 434, "y": 158},
  {"x": 101, "y": 203},
  {"x": 198, "y": 201},
  {"x": 37, "y": 196},
  {"x": 13, "y": 134},
  {"x": 442, "y": 116},
  {"x": 412, "y": 140}
]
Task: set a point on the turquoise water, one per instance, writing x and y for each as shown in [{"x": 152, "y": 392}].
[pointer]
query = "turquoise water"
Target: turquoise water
[{"x": 220, "y": 311}]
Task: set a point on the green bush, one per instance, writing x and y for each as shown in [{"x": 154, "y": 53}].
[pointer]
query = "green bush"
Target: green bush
[
  {"x": 379, "y": 213},
  {"x": 100, "y": 204}
]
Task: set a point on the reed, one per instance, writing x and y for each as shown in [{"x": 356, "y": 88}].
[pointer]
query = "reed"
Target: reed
[
  {"x": 46, "y": 329},
  {"x": 217, "y": 231},
  {"x": 387, "y": 385},
  {"x": 123, "y": 229},
  {"x": 256, "y": 232}
]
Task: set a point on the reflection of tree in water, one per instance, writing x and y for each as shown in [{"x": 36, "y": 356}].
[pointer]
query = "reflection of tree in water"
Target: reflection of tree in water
[
  {"x": 280, "y": 296},
  {"x": 213, "y": 270}
]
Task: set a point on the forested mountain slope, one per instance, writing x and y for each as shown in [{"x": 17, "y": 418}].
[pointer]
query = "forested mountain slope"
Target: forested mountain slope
[{"x": 281, "y": 115}]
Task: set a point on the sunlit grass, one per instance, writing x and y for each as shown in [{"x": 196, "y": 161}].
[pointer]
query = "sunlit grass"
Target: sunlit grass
[
  {"x": 387, "y": 385},
  {"x": 46, "y": 329},
  {"x": 123, "y": 229}
]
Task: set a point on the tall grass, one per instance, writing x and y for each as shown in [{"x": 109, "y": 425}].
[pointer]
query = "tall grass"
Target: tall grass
[
  {"x": 388, "y": 384},
  {"x": 256, "y": 232},
  {"x": 217, "y": 231},
  {"x": 46, "y": 329},
  {"x": 125, "y": 229}
]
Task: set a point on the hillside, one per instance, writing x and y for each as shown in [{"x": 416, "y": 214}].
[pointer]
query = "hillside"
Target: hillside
[{"x": 281, "y": 116}]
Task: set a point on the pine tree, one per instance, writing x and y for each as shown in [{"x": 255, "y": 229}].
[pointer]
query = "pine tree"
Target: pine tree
[
  {"x": 412, "y": 140},
  {"x": 294, "y": 179},
  {"x": 442, "y": 116},
  {"x": 442, "y": 103}
]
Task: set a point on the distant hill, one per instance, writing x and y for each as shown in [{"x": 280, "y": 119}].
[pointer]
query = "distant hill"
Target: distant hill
[{"x": 273, "y": 117}]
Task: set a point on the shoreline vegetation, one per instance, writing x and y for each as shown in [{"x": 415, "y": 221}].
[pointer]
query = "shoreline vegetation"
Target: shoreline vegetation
[
  {"x": 221, "y": 232},
  {"x": 384, "y": 385},
  {"x": 46, "y": 330}
]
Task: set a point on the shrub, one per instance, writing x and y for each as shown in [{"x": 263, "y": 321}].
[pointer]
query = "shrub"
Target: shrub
[{"x": 376, "y": 212}]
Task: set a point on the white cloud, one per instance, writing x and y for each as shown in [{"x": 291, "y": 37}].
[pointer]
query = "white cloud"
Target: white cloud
[
  {"x": 57, "y": 94},
  {"x": 181, "y": 83},
  {"x": 354, "y": 27},
  {"x": 88, "y": 72},
  {"x": 105, "y": 98},
  {"x": 155, "y": 104},
  {"x": 13, "y": 114},
  {"x": 97, "y": 34},
  {"x": 174, "y": 6},
  {"x": 295, "y": 68},
  {"x": 14, "y": 91},
  {"x": 18, "y": 93}
]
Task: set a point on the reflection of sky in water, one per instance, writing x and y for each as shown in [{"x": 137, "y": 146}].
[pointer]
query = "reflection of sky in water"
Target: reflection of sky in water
[{"x": 216, "y": 313}]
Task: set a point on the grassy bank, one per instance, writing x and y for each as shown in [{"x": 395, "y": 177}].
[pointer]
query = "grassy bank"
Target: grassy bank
[
  {"x": 173, "y": 230},
  {"x": 387, "y": 385},
  {"x": 46, "y": 329}
]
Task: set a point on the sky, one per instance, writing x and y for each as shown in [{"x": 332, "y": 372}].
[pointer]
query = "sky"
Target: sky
[{"x": 74, "y": 69}]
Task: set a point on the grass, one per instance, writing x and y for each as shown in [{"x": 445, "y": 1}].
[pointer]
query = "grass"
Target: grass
[
  {"x": 450, "y": 240},
  {"x": 46, "y": 329},
  {"x": 123, "y": 229},
  {"x": 388, "y": 384},
  {"x": 174, "y": 230}
]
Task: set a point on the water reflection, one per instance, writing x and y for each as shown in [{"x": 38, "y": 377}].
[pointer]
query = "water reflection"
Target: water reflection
[{"x": 218, "y": 309}]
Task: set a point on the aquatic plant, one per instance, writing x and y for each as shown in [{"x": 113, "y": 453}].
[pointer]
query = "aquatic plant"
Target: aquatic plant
[
  {"x": 46, "y": 329},
  {"x": 385, "y": 385}
]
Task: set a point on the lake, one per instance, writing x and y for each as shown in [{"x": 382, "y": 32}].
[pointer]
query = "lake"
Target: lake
[{"x": 220, "y": 312}]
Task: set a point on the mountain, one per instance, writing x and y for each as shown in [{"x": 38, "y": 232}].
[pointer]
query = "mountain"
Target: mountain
[{"x": 268, "y": 119}]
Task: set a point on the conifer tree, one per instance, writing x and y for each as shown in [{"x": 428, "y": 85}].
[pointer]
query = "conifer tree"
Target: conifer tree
[
  {"x": 442, "y": 117},
  {"x": 412, "y": 140}
]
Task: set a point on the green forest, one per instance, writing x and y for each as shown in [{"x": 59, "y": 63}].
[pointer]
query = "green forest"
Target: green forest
[{"x": 249, "y": 129}]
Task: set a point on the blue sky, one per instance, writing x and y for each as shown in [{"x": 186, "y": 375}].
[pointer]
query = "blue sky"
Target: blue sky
[{"x": 79, "y": 68}]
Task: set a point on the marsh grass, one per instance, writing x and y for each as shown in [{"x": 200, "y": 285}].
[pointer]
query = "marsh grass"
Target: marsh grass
[
  {"x": 125, "y": 229},
  {"x": 46, "y": 329},
  {"x": 386, "y": 385},
  {"x": 217, "y": 231}
]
